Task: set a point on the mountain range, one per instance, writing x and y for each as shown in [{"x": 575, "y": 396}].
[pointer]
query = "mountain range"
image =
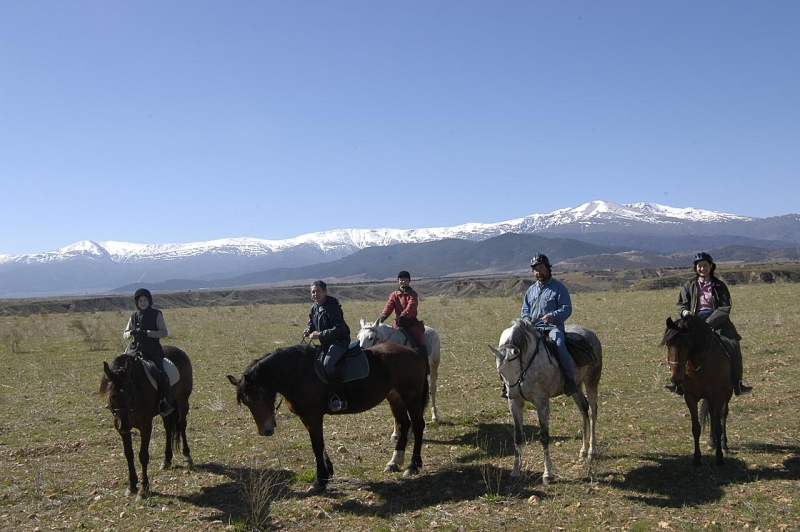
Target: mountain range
[{"x": 597, "y": 234}]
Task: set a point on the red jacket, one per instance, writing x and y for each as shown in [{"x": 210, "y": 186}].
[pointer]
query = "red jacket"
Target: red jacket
[{"x": 405, "y": 304}]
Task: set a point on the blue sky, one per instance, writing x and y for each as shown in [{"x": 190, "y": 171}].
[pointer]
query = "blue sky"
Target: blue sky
[{"x": 160, "y": 122}]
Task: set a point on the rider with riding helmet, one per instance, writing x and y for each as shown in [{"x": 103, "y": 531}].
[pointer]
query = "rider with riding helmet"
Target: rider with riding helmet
[
  {"x": 708, "y": 297},
  {"x": 404, "y": 302},
  {"x": 547, "y": 304},
  {"x": 326, "y": 324},
  {"x": 146, "y": 326}
]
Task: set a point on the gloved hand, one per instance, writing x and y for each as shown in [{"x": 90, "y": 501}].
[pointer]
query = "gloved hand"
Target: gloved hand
[
  {"x": 306, "y": 332},
  {"x": 382, "y": 318},
  {"x": 139, "y": 333},
  {"x": 686, "y": 313}
]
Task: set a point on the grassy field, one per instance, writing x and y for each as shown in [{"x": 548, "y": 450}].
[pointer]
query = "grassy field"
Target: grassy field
[{"x": 62, "y": 468}]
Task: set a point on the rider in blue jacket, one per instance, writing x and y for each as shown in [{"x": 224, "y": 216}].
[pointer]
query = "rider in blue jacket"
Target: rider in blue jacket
[{"x": 547, "y": 305}]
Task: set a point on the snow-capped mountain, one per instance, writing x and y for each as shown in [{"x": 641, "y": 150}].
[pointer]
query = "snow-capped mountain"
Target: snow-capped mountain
[{"x": 94, "y": 267}]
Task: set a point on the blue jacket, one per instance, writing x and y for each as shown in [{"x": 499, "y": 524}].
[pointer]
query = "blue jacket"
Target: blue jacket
[
  {"x": 549, "y": 298},
  {"x": 328, "y": 319}
]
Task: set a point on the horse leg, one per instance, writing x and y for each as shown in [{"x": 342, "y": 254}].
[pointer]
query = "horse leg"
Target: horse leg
[
  {"x": 133, "y": 480},
  {"x": 724, "y": 441},
  {"x": 516, "y": 406},
  {"x": 324, "y": 466},
  {"x": 583, "y": 407},
  {"x": 187, "y": 455},
  {"x": 402, "y": 423},
  {"x": 696, "y": 429},
  {"x": 543, "y": 411},
  {"x": 418, "y": 426},
  {"x": 590, "y": 425},
  {"x": 434, "y": 377},
  {"x": 169, "y": 429},
  {"x": 716, "y": 426},
  {"x": 144, "y": 458}
]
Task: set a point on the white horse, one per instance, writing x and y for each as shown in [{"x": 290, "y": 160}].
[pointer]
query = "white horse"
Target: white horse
[
  {"x": 375, "y": 333},
  {"x": 531, "y": 373}
]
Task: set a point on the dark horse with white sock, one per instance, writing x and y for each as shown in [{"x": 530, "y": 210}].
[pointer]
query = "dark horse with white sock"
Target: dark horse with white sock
[
  {"x": 133, "y": 401},
  {"x": 396, "y": 373}
]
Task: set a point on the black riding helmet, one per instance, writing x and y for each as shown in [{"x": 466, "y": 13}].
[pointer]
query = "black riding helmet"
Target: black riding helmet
[
  {"x": 404, "y": 275},
  {"x": 142, "y": 292},
  {"x": 704, "y": 256},
  {"x": 540, "y": 258}
]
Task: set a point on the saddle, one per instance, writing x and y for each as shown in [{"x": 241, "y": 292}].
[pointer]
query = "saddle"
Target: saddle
[
  {"x": 355, "y": 363},
  {"x": 152, "y": 373},
  {"x": 579, "y": 349}
]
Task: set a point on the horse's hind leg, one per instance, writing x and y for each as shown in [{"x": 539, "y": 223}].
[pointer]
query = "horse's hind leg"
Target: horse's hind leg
[
  {"x": 402, "y": 423},
  {"x": 187, "y": 456},
  {"x": 589, "y": 447},
  {"x": 434, "y": 377},
  {"x": 725, "y": 429},
  {"x": 170, "y": 430},
  {"x": 144, "y": 458}
]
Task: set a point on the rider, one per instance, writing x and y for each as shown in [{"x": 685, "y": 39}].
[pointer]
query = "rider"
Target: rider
[
  {"x": 403, "y": 302},
  {"x": 708, "y": 297},
  {"x": 146, "y": 326},
  {"x": 547, "y": 305},
  {"x": 326, "y": 324}
]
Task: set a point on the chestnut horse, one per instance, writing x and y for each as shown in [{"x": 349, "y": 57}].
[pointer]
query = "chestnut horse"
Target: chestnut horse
[
  {"x": 132, "y": 399},
  {"x": 396, "y": 373},
  {"x": 698, "y": 362}
]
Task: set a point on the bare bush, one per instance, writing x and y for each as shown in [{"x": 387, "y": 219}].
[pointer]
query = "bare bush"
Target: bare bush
[{"x": 92, "y": 333}]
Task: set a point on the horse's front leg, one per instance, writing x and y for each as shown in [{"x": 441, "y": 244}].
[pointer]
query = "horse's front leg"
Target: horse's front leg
[
  {"x": 696, "y": 429},
  {"x": 417, "y": 415},
  {"x": 144, "y": 458},
  {"x": 543, "y": 411},
  {"x": 516, "y": 407},
  {"x": 324, "y": 466},
  {"x": 725, "y": 428},
  {"x": 133, "y": 480}
]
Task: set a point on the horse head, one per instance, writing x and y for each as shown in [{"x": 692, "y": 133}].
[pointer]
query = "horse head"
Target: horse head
[
  {"x": 368, "y": 335},
  {"x": 121, "y": 391},
  {"x": 258, "y": 399},
  {"x": 514, "y": 344},
  {"x": 678, "y": 342}
]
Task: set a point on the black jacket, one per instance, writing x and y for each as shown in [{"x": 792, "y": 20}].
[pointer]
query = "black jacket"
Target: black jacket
[
  {"x": 328, "y": 320},
  {"x": 719, "y": 320}
]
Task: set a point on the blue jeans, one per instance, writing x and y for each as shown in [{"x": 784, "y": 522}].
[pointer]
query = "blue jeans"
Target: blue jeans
[
  {"x": 563, "y": 354},
  {"x": 334, "y": 354}
]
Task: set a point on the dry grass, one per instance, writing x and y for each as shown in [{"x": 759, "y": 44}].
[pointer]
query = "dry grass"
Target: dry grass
[{"x": 61, "y": 463}]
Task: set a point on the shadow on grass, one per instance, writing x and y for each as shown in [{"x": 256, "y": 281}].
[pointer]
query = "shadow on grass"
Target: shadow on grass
[
  {"x": 672, "y": 482},
  {"x": 229, "y": 498}
]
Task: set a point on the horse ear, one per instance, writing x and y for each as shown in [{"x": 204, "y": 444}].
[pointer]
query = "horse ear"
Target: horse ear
[
  {"x": 496, "y": 352},
  {"x": 670, "y": 323},
  {"x": 363, "y": 323},
  {"x": 233, "y": 380},
  {"x": 107, "y": 370}
]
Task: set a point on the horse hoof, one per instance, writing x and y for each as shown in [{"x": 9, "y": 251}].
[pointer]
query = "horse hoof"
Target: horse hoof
[
  {"x": 315, "y": 489},
  {"x": 391, "y": 467},
  {"x": 547, "y": 479},
  {"x": 189, "y": 462},
  {"x": 410, "y": 472},
  {"x": 165, "y": 465},
  {"x": 131, "y": 491}
]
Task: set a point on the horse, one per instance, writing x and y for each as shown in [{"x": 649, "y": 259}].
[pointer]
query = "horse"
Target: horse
[
  {"x": 699, "y": 364},
  {"x": 375, "y": 333},
  {"x": 133, "y": 401},
  {"x": 396, "y": 373},
  {"x": 529, "y": 367}
]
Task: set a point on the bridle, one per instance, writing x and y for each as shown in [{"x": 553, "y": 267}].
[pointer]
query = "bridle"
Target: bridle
[{"x": 523, "y": 370}]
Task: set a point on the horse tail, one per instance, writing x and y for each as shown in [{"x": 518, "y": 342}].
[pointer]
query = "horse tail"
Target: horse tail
[
  {"x": 704, "y": 414},
  {"x": 174, "y": 420}
]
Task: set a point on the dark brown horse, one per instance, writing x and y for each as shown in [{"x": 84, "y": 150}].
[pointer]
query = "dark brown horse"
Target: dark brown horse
[
  {"x": 396, "y": 373},
  {"x": 699, "y": 364},
  {"x": 132, "y": 399}
]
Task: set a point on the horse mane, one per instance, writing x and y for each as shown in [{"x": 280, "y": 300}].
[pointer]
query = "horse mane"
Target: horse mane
[
  {"x": 520, "y": 337},
  {"x": 266, "y": 369},
  {"x": 117, "y": 363},
  {"x": 696, "y": 328}
]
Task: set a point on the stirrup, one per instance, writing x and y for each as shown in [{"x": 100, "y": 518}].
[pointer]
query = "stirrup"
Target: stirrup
[
  {"x": 336, "y": 404},
  {"x": 164, "y": 408}
]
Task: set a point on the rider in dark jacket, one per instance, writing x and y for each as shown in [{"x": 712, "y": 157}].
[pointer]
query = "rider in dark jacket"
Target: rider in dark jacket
[
  {"x": 146, "y": 326},
  {"x": 708, "y": 297},
  {"x": 326, "y": 324}
]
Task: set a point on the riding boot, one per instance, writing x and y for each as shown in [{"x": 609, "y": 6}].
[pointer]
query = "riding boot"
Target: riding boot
[
  {"x": 164, "y": 408},
  {"x": 338, "y": 401},
  {"x": 739, "y": 388},
  {"x": 570, "y": 388}
]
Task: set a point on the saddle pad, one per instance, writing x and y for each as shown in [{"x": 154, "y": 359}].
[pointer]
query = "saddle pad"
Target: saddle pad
[
  {"x": 356, "y": 366},
  {"x": 170, "y": 369},
  {"x": 581, "y": 350}
]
